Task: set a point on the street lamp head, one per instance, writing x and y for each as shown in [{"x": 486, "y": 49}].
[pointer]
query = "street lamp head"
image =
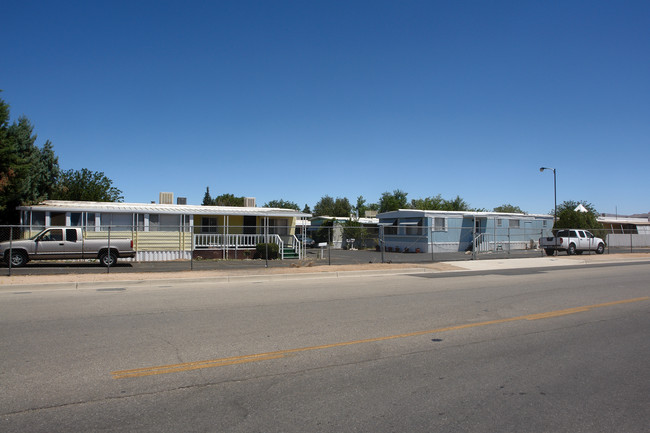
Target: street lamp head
[{"x": 541, "y": 169}]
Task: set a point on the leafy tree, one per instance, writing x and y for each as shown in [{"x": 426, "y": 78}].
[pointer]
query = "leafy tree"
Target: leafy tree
[
  {"x": 282, "y": 204},
  {"x": 340, "y": 207},
  {"x": 207, "y": 198},
  {"x": 361, "y": 207},
  {"x": 373, "y": 206},
  {"x": 457, "y": 204},
  {"x": 306, "y": 209},
  {"x": 221, "y": 200},
  {"x": 569, "y": 218},
  {"x": 28, "y": 174},
  {"x": 428, "y": 203},
  {"x": 355, "y": 230},
  {"x": 324, "y": 232},
  {"x": 229, "y": 200},
  {"x": 393, "y": 201},
  {"x": 324, "y": 206},
  {"x": 86, "y": 185},
  {"x": 508, "y": 208}
]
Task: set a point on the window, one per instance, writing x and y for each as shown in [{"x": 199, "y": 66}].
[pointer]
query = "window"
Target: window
[
  {"x": 208, "y": 225},
  {"x": 279, "y": 226},
  {"x": 170, "y": 223},
  {"x": 544, "y": 223},
  {"x": 52, "y": 235},
  {"x": 75, "y": 219},
  {"x": 513, "y": 224},
  {"x": 414, "y": 227},
  {"x": 499, "y": 222},
  {"x": 391, "y": 229},
  {"x": 154, "y": 222},
  {"x": 38, "y": 219},
  {"x": 116, "y": 221},
  {"x": 90, "y": 220},
  {"x": 71, "y": 235},
  {"x": 139, "y": 221},
  {"x": 439, "y": 224}
]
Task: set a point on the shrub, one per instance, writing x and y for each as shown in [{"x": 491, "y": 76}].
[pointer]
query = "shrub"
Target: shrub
[{"x": 273, "y": 249}]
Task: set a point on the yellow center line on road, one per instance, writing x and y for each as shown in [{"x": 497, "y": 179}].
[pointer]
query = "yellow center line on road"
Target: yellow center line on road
[{"x": 220, "y": 362}]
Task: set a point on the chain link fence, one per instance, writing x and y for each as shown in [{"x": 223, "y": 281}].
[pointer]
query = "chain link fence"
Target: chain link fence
[{"x": 209, "y": 247}]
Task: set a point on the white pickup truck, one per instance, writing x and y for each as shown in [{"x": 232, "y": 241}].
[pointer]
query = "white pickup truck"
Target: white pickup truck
[
  {"x": 575, "y": 241},
  {"x": 56, "y": 243}
]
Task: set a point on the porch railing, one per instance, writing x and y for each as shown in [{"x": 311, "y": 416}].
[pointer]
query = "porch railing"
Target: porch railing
[{"x": 236, "y": 241}]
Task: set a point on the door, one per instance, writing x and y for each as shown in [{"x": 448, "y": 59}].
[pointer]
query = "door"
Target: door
[
  {"x": 250, "y": 225},
  {"x": 50, "y": 244},
  {"x": 583, "y": 240}
]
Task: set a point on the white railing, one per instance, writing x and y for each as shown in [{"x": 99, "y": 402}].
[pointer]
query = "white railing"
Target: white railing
[
  {"x": 235, "y": 241},
  {"x": 298, "y": 246}
]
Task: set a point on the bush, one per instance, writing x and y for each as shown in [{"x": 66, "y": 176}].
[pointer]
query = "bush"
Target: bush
[{"x": 273, "y": 250}]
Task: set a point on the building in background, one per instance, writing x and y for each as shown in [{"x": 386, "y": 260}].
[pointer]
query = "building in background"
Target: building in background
[
  {"x": 444, "y": 231},
  {"x": 164, "y": 231}
]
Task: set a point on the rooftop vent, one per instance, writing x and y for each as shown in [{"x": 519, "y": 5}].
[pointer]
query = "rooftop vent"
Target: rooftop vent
[
  {"x": 181, "y": 200},
  {"x": 249, "y": 201},
  {"x": 166, "y": 198}
]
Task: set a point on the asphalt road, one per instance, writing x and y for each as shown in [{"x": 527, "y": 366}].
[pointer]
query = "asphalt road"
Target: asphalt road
[{"x": 563, "y": 350}]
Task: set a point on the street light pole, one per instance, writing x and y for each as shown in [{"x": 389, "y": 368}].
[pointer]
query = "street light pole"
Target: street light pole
[{"x": 541, "y": 169}]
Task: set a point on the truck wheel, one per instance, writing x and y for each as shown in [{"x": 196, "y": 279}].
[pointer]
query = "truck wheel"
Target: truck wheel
[
  {"x": 549, "y": 251},
  {"x": 571, "y": 250},
  {"x": 107, "y": 259},
  {"x": 600, "y": 249},
  {"x": 18, "y": 259}
]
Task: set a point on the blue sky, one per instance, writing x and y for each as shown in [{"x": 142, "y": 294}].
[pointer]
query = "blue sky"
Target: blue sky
[{"x": 295, "y": 100}]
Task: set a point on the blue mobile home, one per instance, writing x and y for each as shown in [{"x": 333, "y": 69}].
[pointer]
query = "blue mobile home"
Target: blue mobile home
[{"x": 445, "y": 231}]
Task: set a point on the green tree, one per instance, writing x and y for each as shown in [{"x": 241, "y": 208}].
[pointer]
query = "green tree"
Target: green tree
[
  {"x": 360, "y": 207},
  {"x": 207, "y": 198},
  {"x": 508, "y": 208},
  {"x": 86, "y": 185},
  {"x": 229, "y": 200},
  {"x": 324, "y": 206},
  {"x": 428, "y": 203},
  {"x": 569, "y": 218},
  {"x": 28, "y": 174},
  {"x": 342, "y": 207},
  {"x": 282, "y": 204},
  {"x": 355, "y": 230},
  {"x": 393, "y": 201},
  {"x": 306, "y": 209},
  {"x": 327, "y": 206},
  {"x": 457, "y": 204},
  {"x": 373, "y": 206}
]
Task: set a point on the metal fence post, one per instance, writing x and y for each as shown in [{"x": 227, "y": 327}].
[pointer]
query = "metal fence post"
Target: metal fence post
[
  {"x": 11, "y": 239},
  {"x": 108, "y": 257},
  {"x": 631, "y": 240},
  {"x": 433, "y": 238},
  {"x": 329, "y": 246},
  {"x": 192, "y": 246}
]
